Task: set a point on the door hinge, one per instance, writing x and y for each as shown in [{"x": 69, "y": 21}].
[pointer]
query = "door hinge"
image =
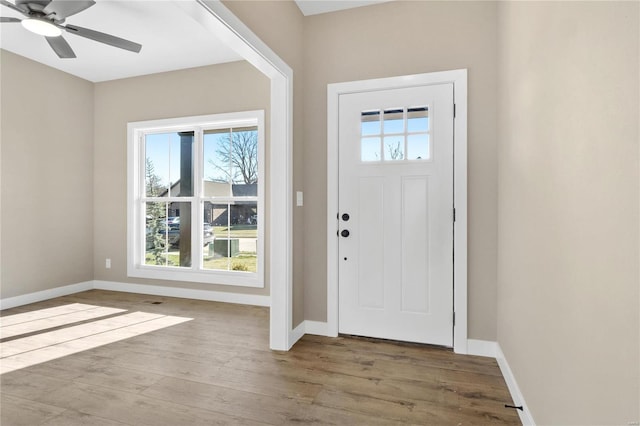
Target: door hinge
[
  {"x": 454, "y": 214},
  {"x": 454, "y": 110},
  {"x": 454, "y": 319}
]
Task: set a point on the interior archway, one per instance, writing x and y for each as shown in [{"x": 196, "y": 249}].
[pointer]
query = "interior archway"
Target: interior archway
[{"x": 216, "y": 18}]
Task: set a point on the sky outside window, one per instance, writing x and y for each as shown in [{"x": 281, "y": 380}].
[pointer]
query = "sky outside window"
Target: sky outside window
[{"x": 163, "y": 150}]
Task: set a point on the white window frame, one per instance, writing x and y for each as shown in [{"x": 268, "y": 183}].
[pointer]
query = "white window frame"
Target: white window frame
[{"x": 136, "y": 199}]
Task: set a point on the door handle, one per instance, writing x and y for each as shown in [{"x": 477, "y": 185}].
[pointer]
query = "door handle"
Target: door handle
[
  {"x": 345, "y": 233},
  {"x": 345, "y": 217}
]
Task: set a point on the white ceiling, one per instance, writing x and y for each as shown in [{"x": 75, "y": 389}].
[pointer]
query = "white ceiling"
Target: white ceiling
[
  {"x": 316, "y": 7},
  {"x": 170, "y": 40}
]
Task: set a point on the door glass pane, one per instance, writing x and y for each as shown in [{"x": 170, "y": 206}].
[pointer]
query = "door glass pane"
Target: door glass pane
[
  {"x": 370, "y": 149},
  {"x": 418, "y": 147},
  {"x": 216, "y": 166},
  {"x": 418, "y": 119},
  {"x": 393, "y": 148},
  {"x": 370, "y": 123},
  {"x": 393, "y": 121}
]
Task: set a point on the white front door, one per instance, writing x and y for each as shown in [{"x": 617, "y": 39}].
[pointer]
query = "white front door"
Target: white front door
[{"x": 396, "y": 214}]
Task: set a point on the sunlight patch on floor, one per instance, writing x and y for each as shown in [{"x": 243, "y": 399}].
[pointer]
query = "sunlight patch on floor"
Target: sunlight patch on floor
[
  {"x": 43, "y": 313},
  {"x": 57, "y": 320},
  {"x": 46, "y": 346}
]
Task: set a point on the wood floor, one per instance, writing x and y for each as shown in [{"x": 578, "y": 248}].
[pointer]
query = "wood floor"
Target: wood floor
[{"x": 217, "y": 369}]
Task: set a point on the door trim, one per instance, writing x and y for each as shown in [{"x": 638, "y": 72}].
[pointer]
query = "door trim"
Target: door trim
[{"x": 459, "y": 80}]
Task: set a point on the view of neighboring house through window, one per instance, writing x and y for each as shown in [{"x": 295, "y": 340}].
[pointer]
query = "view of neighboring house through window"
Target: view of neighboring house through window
[
  {"x": 231, "y": 192},
  {"x": 196, "y": 199}
]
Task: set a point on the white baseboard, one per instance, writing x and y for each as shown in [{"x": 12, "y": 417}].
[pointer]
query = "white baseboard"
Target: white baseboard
[
  {"x": 296, "y": 334},
  {"x": 185, "y": 293},
  {"x": 316, "y": 328},
  {"x": 492, "y": 349},
  {"x": 525, "y": 415},
  {"x": 482, "y": 348},
  {"x": 39, "y": 296}
]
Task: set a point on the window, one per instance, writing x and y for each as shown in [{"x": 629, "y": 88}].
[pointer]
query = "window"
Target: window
[
  {"x": 395, "y": 134},
  {"x": 196, "y": 201}
]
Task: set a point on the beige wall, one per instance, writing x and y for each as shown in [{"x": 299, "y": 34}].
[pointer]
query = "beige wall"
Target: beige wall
[
  {"x": 568, "y": 208},
  {"x": 235, "y": 86},
  {"x": 553, "y": 207},
  {"x": 47, "y": 177},
  {"x": 280, "y": 24},
  {"x": 400, "y": 38}
]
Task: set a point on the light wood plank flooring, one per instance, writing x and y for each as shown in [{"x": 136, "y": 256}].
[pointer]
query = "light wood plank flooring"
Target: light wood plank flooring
[{"x": 217, "y": 370}]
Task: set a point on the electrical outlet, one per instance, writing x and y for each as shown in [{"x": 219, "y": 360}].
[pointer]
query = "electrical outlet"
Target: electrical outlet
[
  {"x": 107, "y": 263},
  {"x": 299, "y": 199}
]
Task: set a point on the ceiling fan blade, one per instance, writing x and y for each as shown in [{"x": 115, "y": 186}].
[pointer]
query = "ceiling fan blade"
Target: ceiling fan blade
[
  {"x": 6, "y": 19},
  {"x": 65, "y": 8},
  {"x": 61, "y": 47},
  {"x": 14, "y": 7},
  {"x": 104, "y": 38}
]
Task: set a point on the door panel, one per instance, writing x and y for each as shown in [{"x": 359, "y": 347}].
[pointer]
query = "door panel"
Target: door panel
[
  {"x": 396, "y": 184},
  {"x": 370, "y": 282},
  {"x": 415, "y": 252}
]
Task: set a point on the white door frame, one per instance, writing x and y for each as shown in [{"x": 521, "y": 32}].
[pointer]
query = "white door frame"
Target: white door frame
[
  {"x": 459, "y": 80},
  {"x": 219, "y": 20}
]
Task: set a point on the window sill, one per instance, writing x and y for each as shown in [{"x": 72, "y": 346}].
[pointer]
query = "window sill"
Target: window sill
[{"x": 231, "y": 278}]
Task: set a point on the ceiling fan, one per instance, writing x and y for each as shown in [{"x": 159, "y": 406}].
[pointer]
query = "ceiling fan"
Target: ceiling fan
[{"x": 45, "y": 17}]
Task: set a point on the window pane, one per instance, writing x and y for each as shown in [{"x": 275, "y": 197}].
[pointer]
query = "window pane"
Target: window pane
[
  {"x": 418, "y": 147},
  {"x": 217, "y": 255},
  {"x": 393, "y": 121},
  {"x": 244, "y": 233},
  {"x": 370, "y": 123},
  {"x": 370, "y": 149},
  {"x": 393, "y": 148},
  {"x": 216, "y": 166},
  {"x": 169, "y": 164},
  {"x": 418, "y": 119},
  {"x": 180, "y": 232},
  {"x": 244, "y": 162},
  {"x": 157, "y": 155},
  {"x": 155, "y": 234},
  {"x": 182, "y": 161},
  {"x": 168, "y": 234},
  {"x": 235, "y": 229},
  {"x": 245, "y": 189},
  {"x": 208, "y": 232}
]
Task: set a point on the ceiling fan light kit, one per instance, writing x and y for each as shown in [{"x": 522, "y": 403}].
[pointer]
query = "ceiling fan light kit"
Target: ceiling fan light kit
[
  {"x": 41, "y": 27},
  {"x": 45, "y": 18}
]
